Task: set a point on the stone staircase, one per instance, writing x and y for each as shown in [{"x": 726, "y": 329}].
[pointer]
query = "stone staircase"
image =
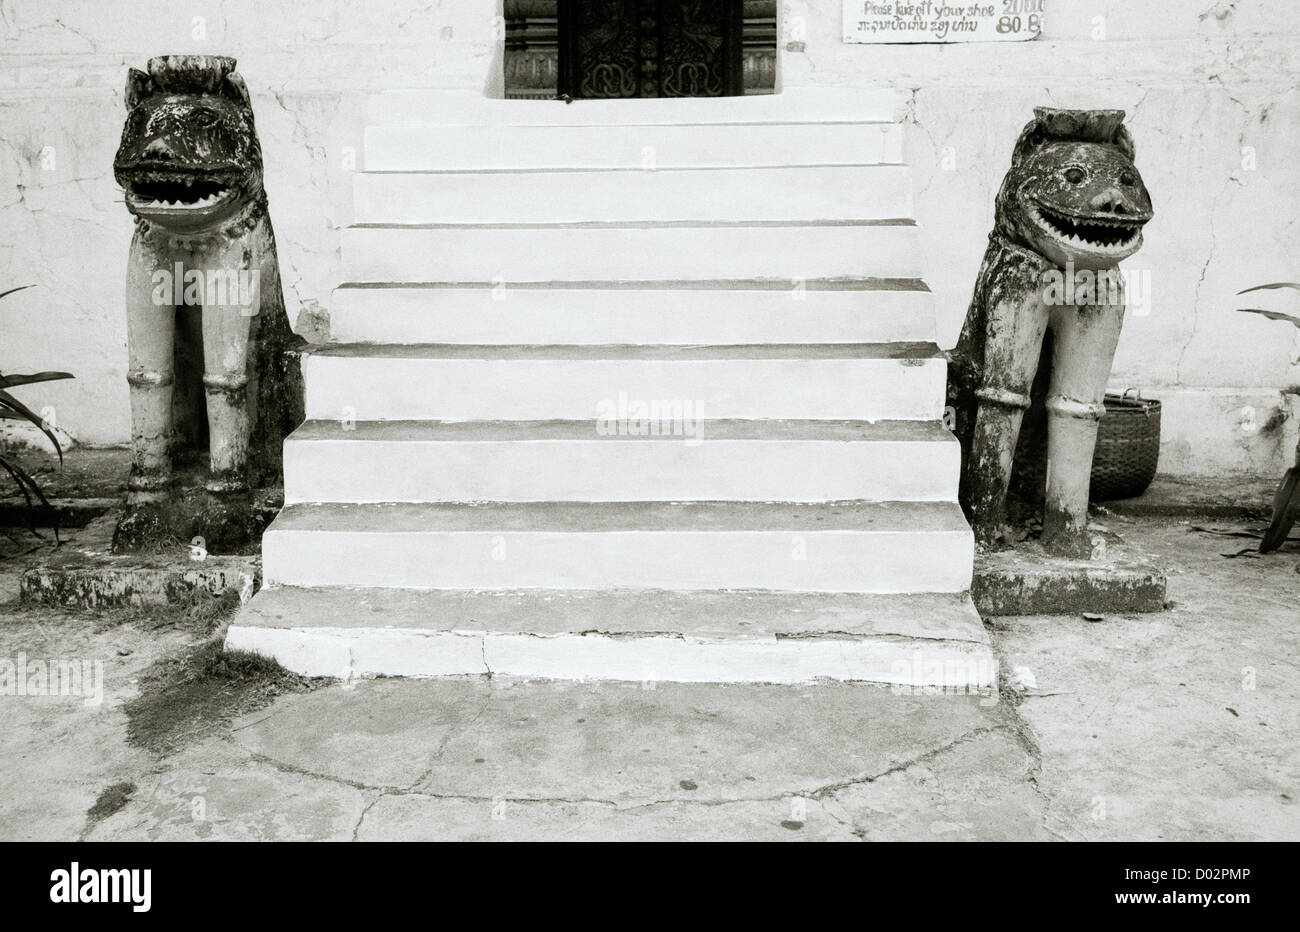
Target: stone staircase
[{"x": 472, "y": 491}]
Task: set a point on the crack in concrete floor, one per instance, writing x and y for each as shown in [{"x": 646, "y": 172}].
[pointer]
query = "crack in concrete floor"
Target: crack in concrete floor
[{"x": 1140, "y": 728}]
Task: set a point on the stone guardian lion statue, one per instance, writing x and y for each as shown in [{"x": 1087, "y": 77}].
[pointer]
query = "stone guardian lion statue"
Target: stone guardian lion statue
[
  {"x": 1070, "y": 208},
  {"x": 210, "y": 362}
]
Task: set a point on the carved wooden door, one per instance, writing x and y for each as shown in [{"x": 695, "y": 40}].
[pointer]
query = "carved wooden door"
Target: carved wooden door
[{"x": 650, "y": 48}]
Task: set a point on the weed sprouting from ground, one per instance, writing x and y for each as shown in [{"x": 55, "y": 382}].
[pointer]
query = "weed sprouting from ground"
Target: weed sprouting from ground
[
  {"x": 202, "y": 612},
  {"x": 198, "y": 612},
  {"x": 110, "y": 800},
  {"x": 195, "y": 693}
]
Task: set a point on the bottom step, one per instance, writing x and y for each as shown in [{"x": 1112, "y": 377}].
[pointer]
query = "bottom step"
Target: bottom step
[{"x": 929, "y": 640}]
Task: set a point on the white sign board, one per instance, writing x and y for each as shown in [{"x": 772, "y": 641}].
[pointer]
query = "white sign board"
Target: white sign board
[{"x": 885, "y": 21}]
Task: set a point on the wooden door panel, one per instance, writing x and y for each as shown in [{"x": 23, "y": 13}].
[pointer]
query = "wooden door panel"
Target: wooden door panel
[{"x": 650, "y": 48}]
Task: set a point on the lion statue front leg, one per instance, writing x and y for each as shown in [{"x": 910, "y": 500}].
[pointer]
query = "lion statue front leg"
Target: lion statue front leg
[
  {"x": 229, "y": 388},
  {"x": 1085, "y": 338},
  {"x": 151, "y": 375}
]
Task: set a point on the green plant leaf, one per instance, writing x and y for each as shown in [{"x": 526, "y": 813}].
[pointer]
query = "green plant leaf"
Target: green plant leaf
[
  {"x": 9, "y": 402},
  {"x": 1271, "y": 315},
  {"x": 19, "y": 476},
  {"x": 29, "y": 487},
  {"x": 1286, "y": 507},
  {"x": 1272, "y": 286},
  {"x": 11, "y": 407},
  {"x": 9, "y": 381}
]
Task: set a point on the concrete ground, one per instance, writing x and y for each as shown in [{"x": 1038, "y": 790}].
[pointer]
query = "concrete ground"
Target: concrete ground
[{"x": 1181, "y": 725}]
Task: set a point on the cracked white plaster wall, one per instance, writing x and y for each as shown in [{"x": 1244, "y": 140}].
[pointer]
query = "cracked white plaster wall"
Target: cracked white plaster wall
[
  {"x": 1200, "y": 79},
  {"x": 64, "y": 228},
  {"x": 1201, "y": 82}
]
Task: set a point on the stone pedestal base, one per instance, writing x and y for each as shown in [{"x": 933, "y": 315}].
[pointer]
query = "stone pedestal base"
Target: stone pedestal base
[
  {"x": 84, "y": 574},
  {"x": 1026, "y": 580}
]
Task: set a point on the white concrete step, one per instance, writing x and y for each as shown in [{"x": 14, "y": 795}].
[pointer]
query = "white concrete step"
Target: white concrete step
[
  {"x": 523, "y": 461},
  {"x": 825, "y": 547},
  {"x": 450, "y": 108},
  {"x": 856, "y": 192},
  {"x": 860, "y": 382},
  {"x": 766, "y": 637},
  {"x": 413, "y": 147},
  {"x": 861, "y": 311},
  {"x": 641, "y": 253}
]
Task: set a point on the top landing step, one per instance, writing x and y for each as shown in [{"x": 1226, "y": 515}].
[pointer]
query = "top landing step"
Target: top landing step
[{"x": 792, "y": 105}]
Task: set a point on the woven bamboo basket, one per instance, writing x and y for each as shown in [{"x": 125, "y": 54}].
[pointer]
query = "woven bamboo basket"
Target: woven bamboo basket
[
  {"x": 1128, "y": 451},
  {"x": 1128, "y": 448}
]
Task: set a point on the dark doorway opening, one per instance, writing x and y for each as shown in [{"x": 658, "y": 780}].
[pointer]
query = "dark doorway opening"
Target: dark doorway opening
[{"x": 639, "y": 48}]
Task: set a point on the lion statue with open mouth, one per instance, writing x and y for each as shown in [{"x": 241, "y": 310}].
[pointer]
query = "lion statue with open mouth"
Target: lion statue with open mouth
[
  {"x": 1071, "y": 207},
  {"x": 207, "y": 332}
]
